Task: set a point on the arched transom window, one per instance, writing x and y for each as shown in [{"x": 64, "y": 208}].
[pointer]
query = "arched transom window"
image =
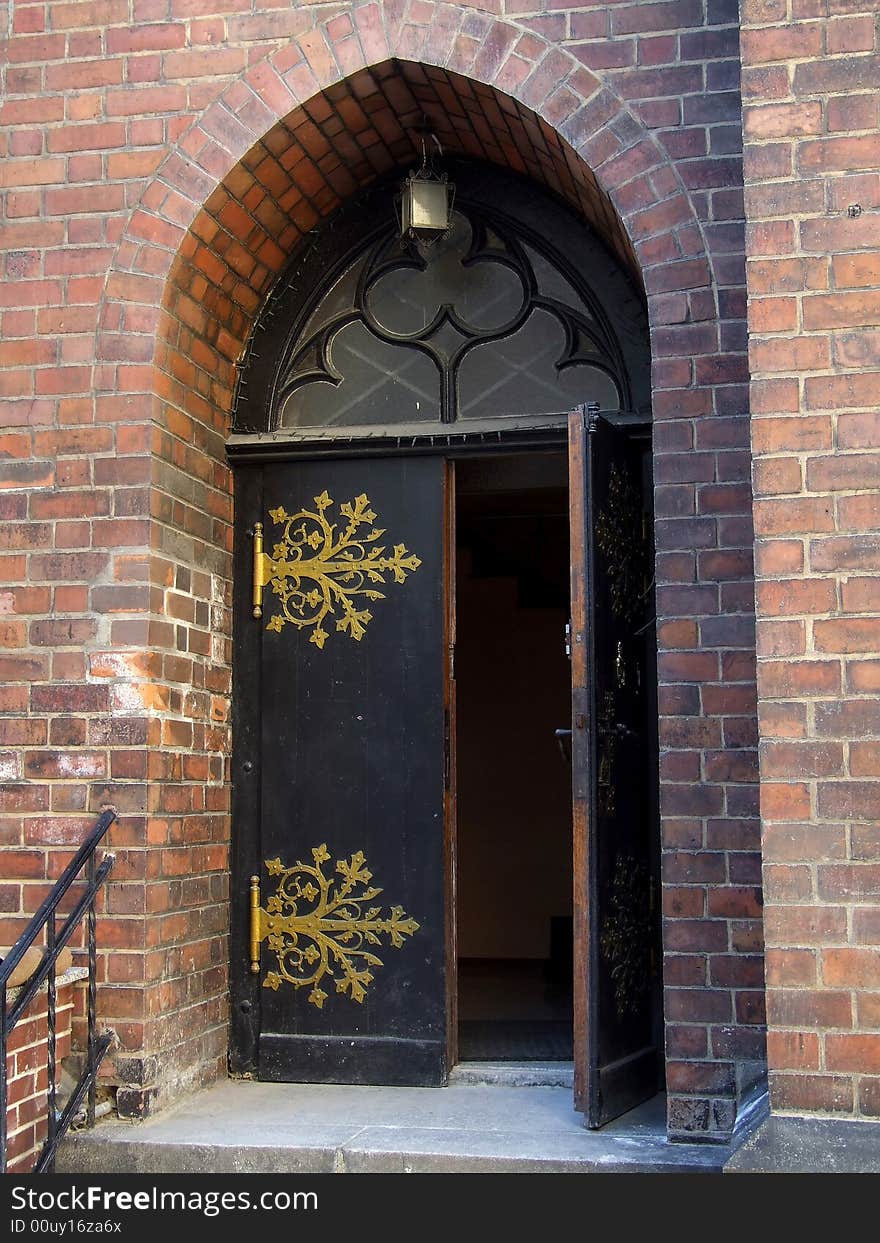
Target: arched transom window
[
  {"x": 512, "y": 318},
  {"x": 480, "y": 325}
]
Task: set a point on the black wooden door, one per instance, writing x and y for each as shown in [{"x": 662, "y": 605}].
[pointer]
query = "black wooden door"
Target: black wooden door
[
  {"x": 340, "y": 735},
  {"x": 613, "y": 756}
]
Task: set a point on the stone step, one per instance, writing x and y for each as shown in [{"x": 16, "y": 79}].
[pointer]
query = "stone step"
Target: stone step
[
  {"x": 514, "y": 1074},
  {"x": 240, "y": 1126}
]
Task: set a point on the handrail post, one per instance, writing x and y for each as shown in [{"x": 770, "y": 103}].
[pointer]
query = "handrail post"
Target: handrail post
[
  {"x": 92, "y": 991},
  {"x": 56, "y": 938},
  {"x": 51, "y": 997},
  {"x": 3, "y": 1095}
]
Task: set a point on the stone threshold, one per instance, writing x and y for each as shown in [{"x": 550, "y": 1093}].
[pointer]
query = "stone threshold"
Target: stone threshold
[
  {"x": 514, "y": 1074},
  {"x": 240, "y": 1126}
]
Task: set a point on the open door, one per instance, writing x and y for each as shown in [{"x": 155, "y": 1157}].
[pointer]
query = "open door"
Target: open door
[
  {"x": 342, "y": 681},
  {"x": 616, "y": 960}
]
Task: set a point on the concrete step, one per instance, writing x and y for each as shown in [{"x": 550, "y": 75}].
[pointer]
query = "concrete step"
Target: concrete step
[
  {"x": 514, "y": 1074},
  {"x": 246, "y": 1127}
]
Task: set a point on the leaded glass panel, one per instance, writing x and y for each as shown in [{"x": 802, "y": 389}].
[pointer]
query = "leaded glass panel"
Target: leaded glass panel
[{"x": 483, "y": 324}]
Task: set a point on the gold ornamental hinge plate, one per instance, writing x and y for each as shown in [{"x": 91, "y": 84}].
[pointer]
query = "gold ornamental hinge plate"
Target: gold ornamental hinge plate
[
  {"x": 320, "y": 569},
  {"x": 320, "y": 927}
]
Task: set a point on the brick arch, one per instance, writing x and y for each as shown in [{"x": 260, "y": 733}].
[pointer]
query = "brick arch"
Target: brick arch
[
  {"x": 274, "y": 154},
  {"x": 286, "y": 142}
]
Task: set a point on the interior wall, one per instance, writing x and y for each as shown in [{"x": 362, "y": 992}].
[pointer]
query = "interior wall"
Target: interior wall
[{"x": 514, "y": 806}]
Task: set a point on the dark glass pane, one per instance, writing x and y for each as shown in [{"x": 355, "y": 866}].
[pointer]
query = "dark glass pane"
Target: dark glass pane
[
  {"x": 484, "y": 294},
  {"x": 381, "y": 384},
  {"x": 518, "y": 375},
  {"x": 552, "y": 284},
  {"x": 339, "y": 298},
  {"x": 345, "y": 374}
]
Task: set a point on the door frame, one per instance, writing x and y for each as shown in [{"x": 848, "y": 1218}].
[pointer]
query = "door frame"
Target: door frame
[{"x": 247, "y": 455}]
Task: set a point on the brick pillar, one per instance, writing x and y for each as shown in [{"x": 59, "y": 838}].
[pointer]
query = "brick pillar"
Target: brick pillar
[{"x": 813, "y": 209}]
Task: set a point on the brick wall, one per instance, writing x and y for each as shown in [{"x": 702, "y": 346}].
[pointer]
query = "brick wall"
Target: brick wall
[
  {"x": 813, "y": 203},
  {"x": 27, "y": 1075},
  {"x": 164, "y": 157}
]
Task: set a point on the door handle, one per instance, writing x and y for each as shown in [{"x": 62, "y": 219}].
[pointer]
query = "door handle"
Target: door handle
[{"x": 561, "y": 736}]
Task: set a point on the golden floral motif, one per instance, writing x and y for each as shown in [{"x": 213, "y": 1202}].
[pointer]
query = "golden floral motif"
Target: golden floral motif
[
  {"x": 320, "y": 569},
  {"x": 319, "y": 926},
  {"x": 627, "y": 932},
  {"x": 621, "y": 540},
  {"x": 607, "y": 792}
]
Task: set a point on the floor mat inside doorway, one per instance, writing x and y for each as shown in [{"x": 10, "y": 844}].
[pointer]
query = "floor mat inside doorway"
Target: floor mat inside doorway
[{"x": 492, "y": 1040}]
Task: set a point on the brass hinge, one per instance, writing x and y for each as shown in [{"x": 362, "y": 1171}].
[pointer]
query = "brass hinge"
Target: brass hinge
[
  {"x": 256, "y": 925},
  {"x": 264, "y": 568}
]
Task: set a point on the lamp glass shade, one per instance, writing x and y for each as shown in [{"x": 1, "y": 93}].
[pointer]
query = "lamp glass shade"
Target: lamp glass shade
[{"x": 425, "y": 207}]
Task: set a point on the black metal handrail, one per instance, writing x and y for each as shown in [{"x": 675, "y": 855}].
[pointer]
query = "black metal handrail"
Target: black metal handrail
[{"x": 56, "y": 939}]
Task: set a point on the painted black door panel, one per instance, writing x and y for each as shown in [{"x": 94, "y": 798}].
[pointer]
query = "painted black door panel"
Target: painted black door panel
[
  {"x": 617, "y": 1055},
  {"x": 350, "y": 739}
]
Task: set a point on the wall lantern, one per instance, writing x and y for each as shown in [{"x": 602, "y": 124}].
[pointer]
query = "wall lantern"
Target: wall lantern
[{"x": 425, "y": 201}]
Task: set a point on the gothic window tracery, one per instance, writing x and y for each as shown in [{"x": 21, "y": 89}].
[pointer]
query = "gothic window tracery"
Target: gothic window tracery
[{"x": 486, "y": 324}]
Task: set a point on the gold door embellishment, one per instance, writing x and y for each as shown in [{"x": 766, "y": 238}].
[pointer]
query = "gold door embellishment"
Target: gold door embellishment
[
  {"x": 605, "y": 728},
  {"x": 319, "y": 567},
  {"x": 319, "y": 927},
  {"x": 621, "y": 539},
  {"x": 626, "y": 938}
]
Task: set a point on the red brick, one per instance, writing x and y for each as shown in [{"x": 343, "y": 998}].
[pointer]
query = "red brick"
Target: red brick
[
  {"x": 847, "y": 719},
  {"x": 794, "y": 516},
  {"x": 781, "y": 638},
  {"x": 856, "y": 882},
  {"x": 851, "y": 968},
  {"x": 850, "y": 552},
  {"x": 103, "y": 71},
  {"x": 790, "y": 353},
  {"x": 823, "y": 1093},
  {"x": 859, "y": 513},
  {"x": 851, "y": 799},
  {"x": 850, "y": 34},
  {"x": 854, "y": 271},
  {"x": 809, "y": 1008},
  {"x": 841, "y": 310},
  {"x": 780, "y": 801},
  {"x": 869, "y": 1009},
  {"x": 790, "y": 967},
  {"x": 782, "y": 597},
  {"x": 783, "y": 120},
  {"x": 845, "y": 391},
  {"x": 804, "y": 759},
  {"x": 735, "y": 902},
  {"x": 776, "y": 476},
  {"x": 864, "y": 759},
  {"x": 852, "y": 1053},
  {"x": 863, "y": 676},
  {"x": 158, "y": 37},
  {"x": 848, "y": 635},
  {"x": 87, "y": 137},
  {"x": 804, "y": 925},
  {"x": 830, "y": 154},
  {"x": 866, "y": 926}
]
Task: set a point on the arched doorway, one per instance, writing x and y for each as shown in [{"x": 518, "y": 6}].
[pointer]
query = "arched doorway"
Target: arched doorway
[{"x": 417, "y": 517}]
